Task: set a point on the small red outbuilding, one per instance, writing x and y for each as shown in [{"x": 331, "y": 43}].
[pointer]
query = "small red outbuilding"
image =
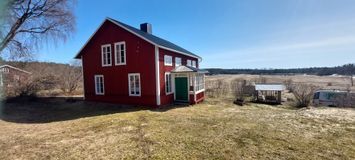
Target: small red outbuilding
[{"x": 125, "y": 65}]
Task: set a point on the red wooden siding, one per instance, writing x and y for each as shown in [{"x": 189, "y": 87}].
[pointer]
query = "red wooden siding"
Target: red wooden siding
[
  {"x": 168, "y": 99},
  {"x": 140, "y": 59}
]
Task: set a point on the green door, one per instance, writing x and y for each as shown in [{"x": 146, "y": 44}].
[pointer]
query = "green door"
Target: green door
[{"x": 181, "y": 89}]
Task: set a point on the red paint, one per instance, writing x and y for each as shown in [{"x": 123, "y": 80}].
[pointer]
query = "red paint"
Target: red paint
[{"x": 140, "y": 58}]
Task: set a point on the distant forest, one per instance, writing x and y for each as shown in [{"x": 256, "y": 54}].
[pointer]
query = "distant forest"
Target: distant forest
[{"x": 348, "y": 69}]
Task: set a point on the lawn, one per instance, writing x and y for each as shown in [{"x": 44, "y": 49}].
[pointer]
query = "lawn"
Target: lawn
[{"x": 216, "y": 129}]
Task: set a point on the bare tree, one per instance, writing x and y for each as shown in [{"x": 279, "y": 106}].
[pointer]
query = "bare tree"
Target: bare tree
[
  {"x": 26, "y": 23},
  {"x": 288, "y": 83},
  {"x": 70, "y": 77},
  {"x": 303, "y": 94},
  {"x": 237, "y": 87}
]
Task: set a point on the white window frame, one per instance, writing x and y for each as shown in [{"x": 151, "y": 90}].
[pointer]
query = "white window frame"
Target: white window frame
[
  {"x": 188, "y": 63},
  {"x": 129, "y": 85},
  {"x": 193, "y": 64},
  {"x": 176, "y": 60},
  {"x": 200, "y": 82},
  {"x": 168, "y": 83},
  {"x": 168, "y": 58},
  {"x": 109, "y": 63},
  {"x": 118, "y": 53},
  {"x": 103, "y": 85}
]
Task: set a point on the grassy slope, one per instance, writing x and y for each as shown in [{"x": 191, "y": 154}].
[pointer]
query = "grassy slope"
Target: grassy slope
[{"x": 213, "y": 130}]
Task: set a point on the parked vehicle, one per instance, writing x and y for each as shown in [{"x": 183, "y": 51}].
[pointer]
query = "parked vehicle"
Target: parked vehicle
[{"x": 329, "y": 97}]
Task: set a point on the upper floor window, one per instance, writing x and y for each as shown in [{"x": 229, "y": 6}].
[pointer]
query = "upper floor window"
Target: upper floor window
[
  {"x": 99, "y": 85},
  {"x": 120, "y": 53},
  {"x": 188, "y": 63},
  {"x": 194, "y": 64},
  {"x": 177, "y": 61},
  {"x": 168, "y": 85},
  {"x": 106, "y": 55},
  {"x": 168, "y": 60},
  {"x": 134, "y": 81}
]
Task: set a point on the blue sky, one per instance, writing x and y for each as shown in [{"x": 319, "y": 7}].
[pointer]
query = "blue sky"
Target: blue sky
[{"x": 231, "y": 33}]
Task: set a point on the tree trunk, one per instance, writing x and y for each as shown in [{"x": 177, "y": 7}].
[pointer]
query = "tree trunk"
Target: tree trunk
[{"x": 352, "y": 80}]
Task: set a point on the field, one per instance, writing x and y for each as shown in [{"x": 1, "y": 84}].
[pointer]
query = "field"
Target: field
[{"x": 61, "y": 128}]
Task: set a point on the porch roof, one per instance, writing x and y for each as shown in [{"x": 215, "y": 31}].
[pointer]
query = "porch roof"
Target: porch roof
[
  {"x": 269, "y": 87},
  {"x": 185, "y": 69}
]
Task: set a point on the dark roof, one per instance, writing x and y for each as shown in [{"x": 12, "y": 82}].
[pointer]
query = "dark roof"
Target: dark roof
[
  {"x": 181, "y": 69},
  {"x": 154, "y": 39}
]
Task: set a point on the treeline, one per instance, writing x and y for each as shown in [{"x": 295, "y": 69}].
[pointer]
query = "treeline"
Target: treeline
[{"x": 348, "y": 69}]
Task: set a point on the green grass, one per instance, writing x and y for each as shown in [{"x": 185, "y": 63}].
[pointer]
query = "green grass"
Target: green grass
[{"x": 215, "y": 129}]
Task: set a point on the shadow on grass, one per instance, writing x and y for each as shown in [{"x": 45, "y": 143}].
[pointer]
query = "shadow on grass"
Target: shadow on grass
[{"x": 54, "y": 109}]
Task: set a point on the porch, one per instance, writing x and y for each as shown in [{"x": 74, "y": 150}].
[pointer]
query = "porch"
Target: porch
[{"x": 188, "y": 84}]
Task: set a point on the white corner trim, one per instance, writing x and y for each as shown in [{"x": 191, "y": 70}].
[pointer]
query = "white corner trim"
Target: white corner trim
[{"x": 157, "y": 75}]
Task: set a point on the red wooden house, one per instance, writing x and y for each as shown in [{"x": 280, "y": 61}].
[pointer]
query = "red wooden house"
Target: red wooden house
[{"x": 125, "y": 65}]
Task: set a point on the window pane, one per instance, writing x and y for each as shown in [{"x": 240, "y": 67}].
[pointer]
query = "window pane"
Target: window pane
[
  {"x": 131, "y": 82},
  {"x": 122, "y": 56}
]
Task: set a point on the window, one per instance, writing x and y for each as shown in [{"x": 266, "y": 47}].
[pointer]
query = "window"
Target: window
[
  {"x": 168, "y": 60},
  {"x": 120, "y": 53},
  {"x": 177, "y": 61},
  {"x": 99, "y": 85},
  {"x": 194, "y": 64},
  {"x": 134, "y": 81},
  {"x": 168, "y": 86},
  {"x": 188, "y": 63},
  {"x": 4, "y": 70},
  {"x": 200, "y": 82},
  {"x": 106, "y": 55}
]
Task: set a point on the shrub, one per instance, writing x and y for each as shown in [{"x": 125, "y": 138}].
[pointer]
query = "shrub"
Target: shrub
[
  {"x": 303, "y": 94},
  {"x": 31, "y": 86},
  {"x": 288, "y": 83}
]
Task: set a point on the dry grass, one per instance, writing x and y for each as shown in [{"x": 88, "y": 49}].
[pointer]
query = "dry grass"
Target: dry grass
[{"x": 215, "y": 129}]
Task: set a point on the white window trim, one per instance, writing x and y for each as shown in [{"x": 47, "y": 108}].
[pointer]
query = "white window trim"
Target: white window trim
[
  {"x": 118, "y": 53},
  {"x": 103, "y": 85},
  {"x": 168, "y": 64},
  {"x": 176, "y": 63},
  {"x": 187, "y": 63},
  {"x": 193, "y": 64},
  {"x": 129, "y": 85},
  {"x": 102, "y": 55},
  {"x": 171, "y": 85}
]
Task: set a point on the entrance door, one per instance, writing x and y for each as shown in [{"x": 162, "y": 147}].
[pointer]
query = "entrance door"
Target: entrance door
[{"x": 181, "y": 89}]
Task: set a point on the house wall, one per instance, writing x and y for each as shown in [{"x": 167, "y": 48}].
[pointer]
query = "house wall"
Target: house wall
[
  {"x": 11, "y": 78},
  {"x": 140, "y": 58},
  {"x": 164, "y": 98}
]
